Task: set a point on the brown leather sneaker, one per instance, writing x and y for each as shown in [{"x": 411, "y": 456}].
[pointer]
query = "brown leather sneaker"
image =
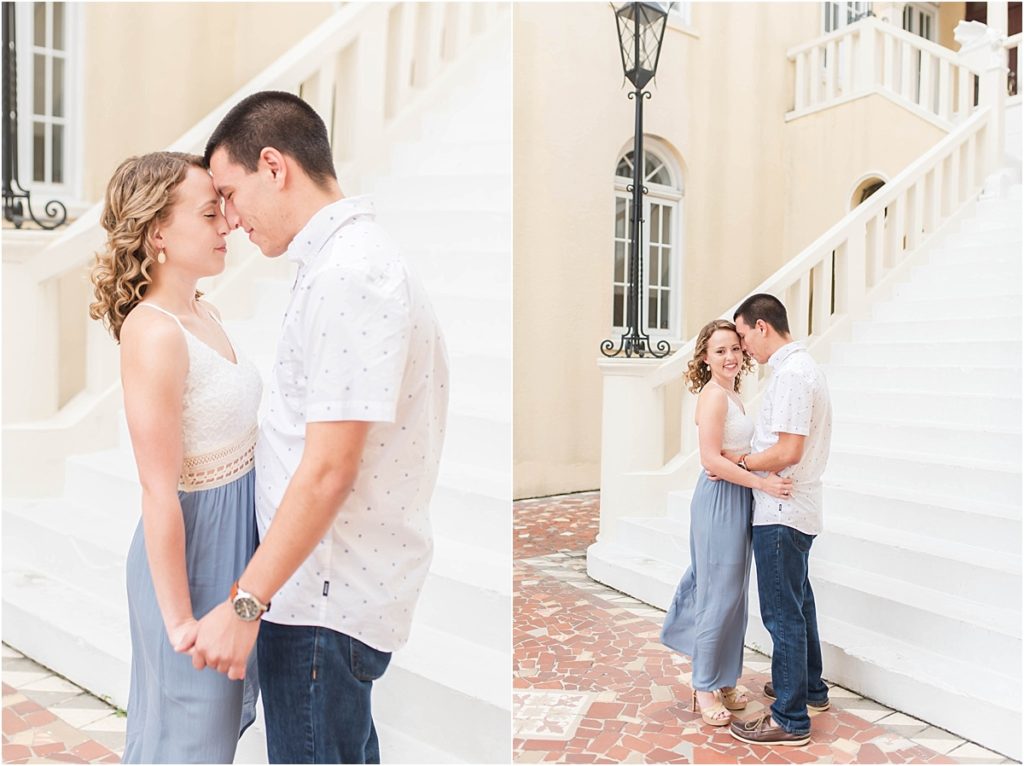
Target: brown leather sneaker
[
  {"x": 769, "y": 692},
  {"x": 759, "y": 731}
]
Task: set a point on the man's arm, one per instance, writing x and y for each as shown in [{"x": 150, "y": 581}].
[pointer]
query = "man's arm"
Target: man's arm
[
  {"x": 324, "y": 479},
  {"x": 786, "y": 452}
]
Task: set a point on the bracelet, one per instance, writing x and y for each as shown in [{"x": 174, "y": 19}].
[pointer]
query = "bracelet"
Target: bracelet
[{"x": 742, "y": 462}]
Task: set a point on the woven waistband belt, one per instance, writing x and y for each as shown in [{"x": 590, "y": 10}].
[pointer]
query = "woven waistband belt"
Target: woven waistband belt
[{"x": 219, "y": 467}]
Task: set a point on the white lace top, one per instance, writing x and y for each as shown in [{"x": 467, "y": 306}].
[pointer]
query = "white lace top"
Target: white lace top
[
  {"x": 218, "y": 419},
  {"x": 738, "y": 430}
]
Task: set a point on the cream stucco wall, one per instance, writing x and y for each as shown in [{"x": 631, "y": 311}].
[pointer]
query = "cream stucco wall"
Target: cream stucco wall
[
  {"x": 756, "y": 190},
  {"x": 152, "y": 70}
]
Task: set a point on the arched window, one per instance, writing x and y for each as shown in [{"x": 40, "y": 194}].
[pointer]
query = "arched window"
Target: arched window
[{"x": 661, "y": 238}]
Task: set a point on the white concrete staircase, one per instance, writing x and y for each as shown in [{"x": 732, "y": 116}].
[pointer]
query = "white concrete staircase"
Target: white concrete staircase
[
  {"x": 447, "y": 695},
  {"x": 917, "y": 576}
]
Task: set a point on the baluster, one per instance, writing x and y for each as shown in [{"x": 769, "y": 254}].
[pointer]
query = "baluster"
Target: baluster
[
  {"x": 821, "y": 292},
  {"x": 429, "y": 22},
  {"x": 877, "y": 247},
  {"x": 831, "y": 71},
  {"x": 846, "y": 70},
  {"x": 798, "y": 297},
  {"x": 867, "y": 52},
  {"x": 908, "y": 57},
  {"x": 889, "y": 63},
  {"x": 928, "y": 202},
  {"x": 964, "y": 92},
  {"x": 815, "y": 77},
  {"x": 915, "y": 215},
  {"x": 926, "y": 96},
  {"x": 343, "y": 129},
  {"x": 945, "y": 90},
  {"x": 894, "y": 232},
  {"x": 971, "y": 163},
  {"x": 800, "y": 93}
]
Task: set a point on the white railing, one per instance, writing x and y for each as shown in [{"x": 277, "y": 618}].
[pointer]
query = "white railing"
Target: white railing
[
  {"x": 1012, "y": 46},
  {"x": 822, "y": 288},
  {"x": 874, "y": 56},
  {"x": 369, "y": 70}
]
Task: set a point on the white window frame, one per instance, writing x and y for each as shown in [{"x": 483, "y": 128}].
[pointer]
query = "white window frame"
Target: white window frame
[
  {"x": 670, "y": 196},
  {"x": 841, "y": 12},
  {"x": 919, "y": 10},
  {"x": 69, "y": 191}
]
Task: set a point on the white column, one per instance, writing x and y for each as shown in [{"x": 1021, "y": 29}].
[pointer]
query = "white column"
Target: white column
[
  {"x": 632, "y": 433},
  {"x": 996, "y": 17}
]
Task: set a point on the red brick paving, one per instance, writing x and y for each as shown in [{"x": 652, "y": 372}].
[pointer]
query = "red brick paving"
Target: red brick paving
[{"x": 573, "y": 638}]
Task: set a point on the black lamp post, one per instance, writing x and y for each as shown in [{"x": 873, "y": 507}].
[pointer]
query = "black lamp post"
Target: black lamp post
[
  {"x": 14, "y": 209},
  {"x": 641, "y": 29}
]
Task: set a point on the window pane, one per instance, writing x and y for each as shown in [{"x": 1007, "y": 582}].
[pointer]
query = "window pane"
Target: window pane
[
  {"x": 57, "y": 166},
  {"x": 655, "y": 223},
  {"x": 620, "y": 218},
  {"x": 666, "y": 226},
  {"x": 652, "y": 307},
  {"x": 664, "y": 310},
  {"x": 665, "y": 264},
  {"x": 38, "y": 152},
  {"x": 58, "y": 87},
  {"x": 58, "y": 26},
  {"x": 39, "y": 24},
  {"x": 618, "y": 310},
  {"x": 625, "y": 167},
  {"x": 39, "y": 84},
  {"x": 620, "y": 261},
  {"x": 652, "y": 269}
]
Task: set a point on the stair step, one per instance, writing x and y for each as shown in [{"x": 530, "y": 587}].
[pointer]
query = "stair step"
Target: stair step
[
  {"x": 978, "y": 410},
  {"x": 910, "y": 331},
  {"x": 468, "y": 193},
  {"x": 483, "y": 438},
  {"x": 990, "y": 288},
  {"x": 476, "y": 230},
  {"x": 983, "y": 353},
  {"x": 924, "y": 438},
  {"x": 462, "y": 681},
  {"x": 971, "y": 308},
  {"x": 1000, "y": 236},
  {"x": 475, "y": 155},
  {"x": 966, "y": 478},
  {"x": 944, "y": 376}
]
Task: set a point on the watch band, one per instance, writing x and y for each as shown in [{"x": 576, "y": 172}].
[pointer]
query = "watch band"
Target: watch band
[{"x": 246, "y": 605}]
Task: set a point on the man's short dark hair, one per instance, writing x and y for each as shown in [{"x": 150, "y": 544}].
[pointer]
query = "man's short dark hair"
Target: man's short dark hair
[
  {"x": 766, "y": 307},
  {"x": 279, "y": 120}
]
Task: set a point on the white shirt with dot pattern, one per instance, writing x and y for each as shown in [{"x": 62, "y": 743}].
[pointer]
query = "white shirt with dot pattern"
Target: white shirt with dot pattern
[
  {"x": 795, "y": 401},
  {"x": 359, "y": 341}
]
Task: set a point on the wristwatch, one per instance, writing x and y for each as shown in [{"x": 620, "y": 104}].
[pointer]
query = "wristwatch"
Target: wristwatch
[{"x": 247, "y": 606}]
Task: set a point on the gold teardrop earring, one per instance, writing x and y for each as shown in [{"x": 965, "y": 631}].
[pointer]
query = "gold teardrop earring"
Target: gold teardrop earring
[{"x": 161, "y": 257}]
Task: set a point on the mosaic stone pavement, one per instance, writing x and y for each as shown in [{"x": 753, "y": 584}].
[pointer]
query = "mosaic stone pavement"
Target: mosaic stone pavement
[
  {"x": 593, "y": 684},
  {"x": 50, "y": 720}
]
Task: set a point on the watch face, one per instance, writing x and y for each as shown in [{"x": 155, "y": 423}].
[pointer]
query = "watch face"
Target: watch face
[{"x": 246, "y": 608}]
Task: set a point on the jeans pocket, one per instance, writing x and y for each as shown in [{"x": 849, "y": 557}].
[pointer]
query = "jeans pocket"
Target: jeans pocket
[
  {"x": 801, "y": 541},
  {"x": 368, "y": 664}
]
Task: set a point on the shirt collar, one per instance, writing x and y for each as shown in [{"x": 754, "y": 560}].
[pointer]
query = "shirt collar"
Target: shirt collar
[
  {"x": 327, "y": 220},
  {"x": 783, "y": 353}
]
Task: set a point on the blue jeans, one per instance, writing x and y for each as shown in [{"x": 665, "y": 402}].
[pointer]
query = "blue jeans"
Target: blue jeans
[
  {"x": 316, "y": 687},
  {"x": 787, "y": 610}
]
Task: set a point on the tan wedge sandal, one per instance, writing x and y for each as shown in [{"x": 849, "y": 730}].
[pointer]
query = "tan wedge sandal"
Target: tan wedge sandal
[
  {"x": 714, "y": 715},
  {"x": 733, "y": 698}
]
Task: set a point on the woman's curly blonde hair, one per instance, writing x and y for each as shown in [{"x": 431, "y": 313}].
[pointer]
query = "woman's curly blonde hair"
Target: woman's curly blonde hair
[
  {"x": 140, "y": 194},
  {"x": 697, "y": 372}
]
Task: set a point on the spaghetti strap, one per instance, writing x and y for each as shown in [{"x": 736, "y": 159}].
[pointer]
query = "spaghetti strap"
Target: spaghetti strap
[{"x": 164, "y": 311}]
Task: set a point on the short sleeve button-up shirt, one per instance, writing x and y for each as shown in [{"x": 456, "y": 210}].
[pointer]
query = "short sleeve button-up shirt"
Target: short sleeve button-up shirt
[
  {"x": 795, "y": 401},
  {"x": 359, "y": 342}
]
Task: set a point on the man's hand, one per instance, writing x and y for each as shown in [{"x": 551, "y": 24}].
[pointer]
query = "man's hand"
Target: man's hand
[
  {"x": 224, "y": 641},
  {"x": 183, "y": 635}
]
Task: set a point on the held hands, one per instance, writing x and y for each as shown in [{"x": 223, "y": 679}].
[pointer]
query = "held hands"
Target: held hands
[
  {"x": 183, "y": 635},
  {"x": 223, "y": 641}
]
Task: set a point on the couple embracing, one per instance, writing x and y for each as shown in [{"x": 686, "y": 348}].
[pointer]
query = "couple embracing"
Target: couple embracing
[
  {"x": 760, "y": 495},
  {"x": 333, "y": 486}
]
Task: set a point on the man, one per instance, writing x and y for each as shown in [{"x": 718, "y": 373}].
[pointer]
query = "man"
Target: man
[
  {"x": 793, "y": 432},
  {"x": 348, "y": 451}
]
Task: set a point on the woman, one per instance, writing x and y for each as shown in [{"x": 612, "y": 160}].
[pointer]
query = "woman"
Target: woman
[
  {"x": 191, "y": 408},
  {"x": 708, "y": 616}
]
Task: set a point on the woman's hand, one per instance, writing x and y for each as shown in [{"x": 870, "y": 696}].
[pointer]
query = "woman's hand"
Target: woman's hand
[
  {"x": 776, "y": 486},
  {"x": 183, "y": 635}
]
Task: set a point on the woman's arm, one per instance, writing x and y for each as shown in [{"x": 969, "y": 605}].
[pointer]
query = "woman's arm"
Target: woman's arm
[
  {"x": 154, "y": 364},
  {"x": 712, "y": 408}
]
